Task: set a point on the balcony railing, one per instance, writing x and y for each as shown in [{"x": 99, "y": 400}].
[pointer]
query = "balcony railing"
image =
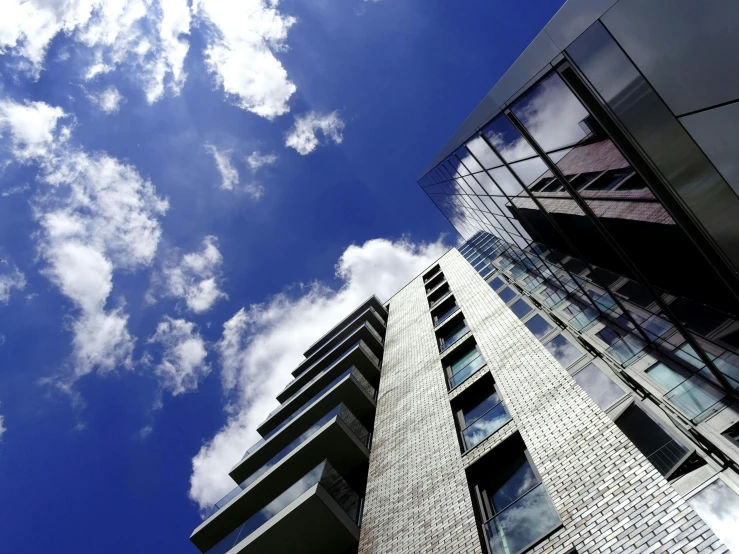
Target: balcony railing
[
  {"x": 450, "y": 340},
  {"x": 324, "y": 475},
  {"x": 443, "y": 318},
  {"x": 484, "y": 426},
  {"x": 625, "y": 349},
  {"x": 525, "y": 521},
  {"x": 583, "y": 319},
  {"x": 462, "y": 375},
  {"x": 340, "y": 411},
  {"x": 667, "y": 457}
]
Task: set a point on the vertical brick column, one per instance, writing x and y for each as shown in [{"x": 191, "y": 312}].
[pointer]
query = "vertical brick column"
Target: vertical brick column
[
  {"x": 610, "y": 498},
  {"x": 417, "y": 496}
]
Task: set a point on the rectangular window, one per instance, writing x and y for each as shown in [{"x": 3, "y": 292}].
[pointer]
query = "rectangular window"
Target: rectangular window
[
  {"x": 463, "y": 363},
  {"x": 496, "y": 283},
  {"x": 436, "y": 296},
  {"x": 521, "y": 308},
  {"x": 539, "y": 326},
  {"x": 507, "y": 294},
  {"x": 604, "y": 392},
  {"x": 664, "y": 452},
  {"x": 513, "y": 503},
  {"x": 732, "y": 433},
  {"x": 563, "y": 350},
  {"x": 480, "y": 412},
  {"x": 452, "y": 332},
  {"x": 445, "y": 311},
  {"x": 688, "y": 393}
]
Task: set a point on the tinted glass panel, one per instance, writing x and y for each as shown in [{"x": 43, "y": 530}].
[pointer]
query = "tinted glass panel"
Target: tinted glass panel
[
  {"x": 507, "y": 140},
  {"x": 563, "y": 350},
  {"x": 520, "y": 308},
  {"x": 538, "y": 326},
  {"x": 599, "y": 386},
  {"x": 506, "y": 294}
]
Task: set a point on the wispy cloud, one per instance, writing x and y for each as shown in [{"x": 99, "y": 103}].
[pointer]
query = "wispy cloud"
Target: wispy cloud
[
  {"x": 108, "y": 100},
  {"x": 256, "y": 160},
  {"x": 230, "y": 175},
  {"x": 10, "y": 278},
  {"x": 303, "y": 135}
]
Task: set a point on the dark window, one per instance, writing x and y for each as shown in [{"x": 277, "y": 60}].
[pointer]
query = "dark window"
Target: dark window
[
  {"x": 732, "y": 339},
  {"x": 538, "y": 326},
  {"x": 445, "y": 310},
  {"x": 438, "y": 294},
  {"x": 636, "y": 293},
  {"x": 480, "y": 412},
  {"x": 604, "y": 392},
  {"x": 603, "y": 276},
  {"x": 512, "y": 501},
  {"x": 507, "y": 294},
  {"x": 575, "y": 266},
  {"x": 520, "y": 308},
  {"x": 665, "y": 453},
  {"x": 608, "y": 335},
  {"x": 563, "y": 350},
  {"x": 696, "y": 317},
  {"x": 434, "y": 282},
  {"x": 608, "y": 180},
  {"x": 430, "y": 273},
  {"x": 449, "y": 334},
  {"x": 732, "y": 433},
  {"x": 633, "y": 182},
  {"x": 465, "y": 361},
  {"x": 583, "y": 179}
]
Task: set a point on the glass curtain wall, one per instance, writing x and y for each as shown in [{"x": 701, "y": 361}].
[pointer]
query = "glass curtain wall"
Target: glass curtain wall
[{"x": 546, "y": 197}]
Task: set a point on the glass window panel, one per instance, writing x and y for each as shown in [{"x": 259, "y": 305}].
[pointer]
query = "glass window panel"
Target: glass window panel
[
  {"x": 468, "y": 160},
  {"x": 507, "y": 140},
  {"x": 529, "y": 170},
  {"x": 469, "y": 416},
  {"x": 496, "y": 283},
  {"x": 666, "y": 376},
  {"x": 486, "y": 425},
  {"x": 506, "y": 294},
  {"x": 483, "y": 153},
  {"x": 507, "y": 181},
  {"x": 694, "y": 396},
  {"x": 604, "y": 392},
  {"x": 563, "y": 350},
  {"x": 718, "y": 506},
  {"x": 512, "y": 482},
  {"x": 552, "y": 114},
  {"x": 520, "y": 308},
  {"x": 487, "y": 183}
]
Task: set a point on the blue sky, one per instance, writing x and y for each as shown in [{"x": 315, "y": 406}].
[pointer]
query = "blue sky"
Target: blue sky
[{"x": 191, "y": 193}]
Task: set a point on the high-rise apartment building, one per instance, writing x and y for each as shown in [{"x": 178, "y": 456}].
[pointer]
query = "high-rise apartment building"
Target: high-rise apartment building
[{"x": 565, "y": 381}]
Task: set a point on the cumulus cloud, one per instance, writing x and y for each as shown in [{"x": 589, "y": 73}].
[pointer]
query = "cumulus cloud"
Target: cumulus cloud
[
  {"x": 241, "y": 41},
  {"x": 257, "y": 160},
  {"x": 141, "y": 34},
  {"x": 303, "y": 135},
  {"x": 262, "y": 344},
  {"x": 108, "y": 100},
  {"x": 230, "y": 175},
  {"x": 196, "y": 277},
  {"x": 96, "y": 215},
  {"x": 182, "y": 364},
  {"x": 9, "y": 280}
]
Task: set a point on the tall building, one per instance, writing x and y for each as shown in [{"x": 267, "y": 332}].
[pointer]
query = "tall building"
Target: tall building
[{"x": 565, "y": 381}]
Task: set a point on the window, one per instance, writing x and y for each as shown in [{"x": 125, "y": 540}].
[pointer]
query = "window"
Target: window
[
  {"x": 665, "y": 453},
  {"x": 464, "y": 362},
  {"x": 688, "y": 393},
  {"x": 496, "y": 283},
  {"x": 539, "y": 326},
  {"x": 451, "y": 333},
  {"x": 438, "y": 294},
  {"x": 718, "y": 506},
  {"x": 431, "y": 273},
  {"x": 507, "y": 294},
  {"x": 732, "y": 433},
  {"x": 604, "y": 392},
  {"x": 520, "y": 308},
  {"x": 608, "y": 335},
  {"x": 514, "y": 505},
  {"x": 563, "y": 350},
  {"x": 434, "y": 282},
  {"x": 480, "y": 412}
]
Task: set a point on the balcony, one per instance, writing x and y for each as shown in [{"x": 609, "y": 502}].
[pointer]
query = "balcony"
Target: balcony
[
  {"x": 339, "y": 438},
  {"x": 318, "y": 512},
  {"x": 363, "y": 332},
  {"x": 349, "y": 387},
  {"x": 357, "y": 358},
  {"x": 340, "y": 333}
]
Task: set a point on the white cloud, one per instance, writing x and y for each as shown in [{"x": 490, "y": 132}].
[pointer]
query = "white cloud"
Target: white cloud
[
  {"x": 196, "y": 277},
  {"x": 261, "y": 345},
  {"x": 14, "y": 279},
  {"x": 182, "y": 364},
  {"x": 108, "y": 100},
  {"x": 2, "y": 426},
  {"x": 230, "y": 175},
  {"x": 142, "y": 35},
  {"x": 257, "y": 160},
  {"x": 303, "y": 137},
  {"x": 96, "y": 215},
  {"x": 241, "y": 40},
  {"x": 20, "y": 189}
]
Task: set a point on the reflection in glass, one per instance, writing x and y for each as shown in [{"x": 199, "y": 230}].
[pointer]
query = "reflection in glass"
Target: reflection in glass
[
  {"x": 507, "y": 140},
  {"x": 718, "y": 506},
  {"x": 506, "y": 294},
  {"x": 538, "y": 326},
  {"x": 599, "y": 386},
  {"x": 626, "y": 349},
  {"x": 565, "y": 353},
  {"x": 552, "y": 114},
  {"x": 528, "y": 519},
  {"x": 483, "y": 153},
  {"x": 486, "y": 423}
]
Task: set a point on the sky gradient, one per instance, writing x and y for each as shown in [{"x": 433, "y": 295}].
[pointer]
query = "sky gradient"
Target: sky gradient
[{"x": 192, "y": 192}]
